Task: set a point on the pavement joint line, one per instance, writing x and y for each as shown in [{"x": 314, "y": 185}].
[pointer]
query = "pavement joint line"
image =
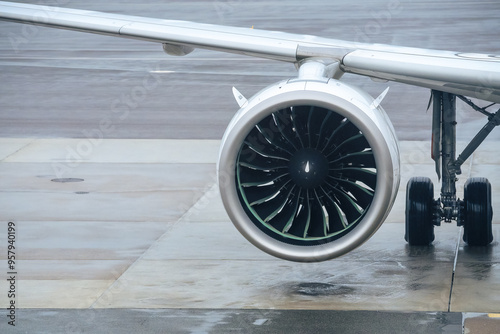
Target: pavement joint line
[
  {"x": 454, "y": 268},
  {"x": 19, "y": 150},
  {"x": 171, "y": 226},
  {"x": 458, "y": 243}
]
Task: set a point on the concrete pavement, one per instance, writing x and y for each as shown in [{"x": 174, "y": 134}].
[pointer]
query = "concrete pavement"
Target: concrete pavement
[{"x": 139, "y": 224}]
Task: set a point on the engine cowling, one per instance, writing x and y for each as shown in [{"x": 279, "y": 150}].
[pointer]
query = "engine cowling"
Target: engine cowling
[{"x": 309, "y": 169}]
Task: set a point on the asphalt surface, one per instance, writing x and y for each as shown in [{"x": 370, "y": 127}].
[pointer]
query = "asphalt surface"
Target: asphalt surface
[
  {"x": 56, "y": 83},
  {"x": 196, "y": 321},
  {"x": 60, "y": 84}
]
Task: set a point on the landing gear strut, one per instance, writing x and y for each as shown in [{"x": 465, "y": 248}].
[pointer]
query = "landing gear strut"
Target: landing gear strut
[{"x": 474, "y": 212}]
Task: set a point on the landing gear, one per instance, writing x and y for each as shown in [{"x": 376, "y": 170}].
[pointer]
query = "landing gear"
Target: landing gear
[
  {"x": 419, "y": 211},
  {"x": 475, "y": 211},
  {"x": 478, "y": 212}
]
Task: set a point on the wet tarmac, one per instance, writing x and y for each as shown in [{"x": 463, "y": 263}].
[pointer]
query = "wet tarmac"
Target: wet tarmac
[
  {"x": 134, "y": 235},
  {"x": 198, "y": 321},
  {"x": 62, "y": 82},
  {"x": 147, "y": 230}
]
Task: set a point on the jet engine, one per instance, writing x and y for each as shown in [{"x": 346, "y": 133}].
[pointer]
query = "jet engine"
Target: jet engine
[{"x": 309, "y": 169}]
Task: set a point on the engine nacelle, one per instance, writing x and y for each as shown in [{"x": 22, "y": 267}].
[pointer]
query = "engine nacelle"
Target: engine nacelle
[{"x": 309, "y": 170}]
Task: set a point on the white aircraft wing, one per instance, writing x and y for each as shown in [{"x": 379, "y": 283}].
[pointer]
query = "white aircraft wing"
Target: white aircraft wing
[{"x": 475, "y": 75}]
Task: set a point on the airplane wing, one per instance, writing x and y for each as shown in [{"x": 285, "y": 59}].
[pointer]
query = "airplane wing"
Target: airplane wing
[{"x": 474, "y": 75}]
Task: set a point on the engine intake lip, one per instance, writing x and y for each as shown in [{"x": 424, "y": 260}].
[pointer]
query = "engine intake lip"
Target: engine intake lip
[{"x": 358, "y": 111}]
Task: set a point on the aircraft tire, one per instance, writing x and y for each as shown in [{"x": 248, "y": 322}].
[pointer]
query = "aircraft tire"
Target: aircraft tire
[
  {"x": 419, "y": 214},
  {"x": 478, "y": 212}
]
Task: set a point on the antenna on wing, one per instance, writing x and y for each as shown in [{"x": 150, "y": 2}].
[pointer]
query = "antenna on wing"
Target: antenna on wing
[{"x": 240, "y": 99}]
